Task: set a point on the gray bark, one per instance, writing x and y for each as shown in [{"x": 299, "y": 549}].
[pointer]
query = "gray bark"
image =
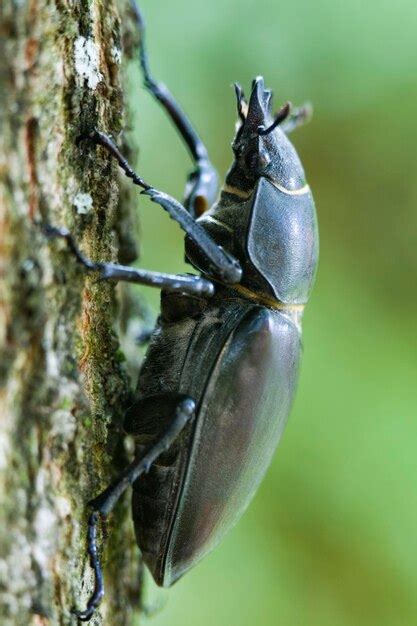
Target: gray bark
[{"x": 63, "y": 383}]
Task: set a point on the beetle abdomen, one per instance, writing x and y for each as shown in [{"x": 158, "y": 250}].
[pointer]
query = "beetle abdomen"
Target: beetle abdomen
[
  {"x": 242, "y": 413},
  {"x": 243, "y": 380},
  {"x": 175, "y": 345}
]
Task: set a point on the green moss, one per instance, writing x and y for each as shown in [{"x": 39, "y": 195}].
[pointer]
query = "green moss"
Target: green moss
[
  {"x": 120, "y": 356},
  {"x": 66, "y": 404}
]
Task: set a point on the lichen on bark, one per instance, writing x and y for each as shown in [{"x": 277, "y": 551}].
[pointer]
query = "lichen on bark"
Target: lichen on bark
[{"x": 63, "y": 387}]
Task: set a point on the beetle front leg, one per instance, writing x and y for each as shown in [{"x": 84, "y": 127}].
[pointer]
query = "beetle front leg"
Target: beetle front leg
[
  {"x": 221, "y": 264},
  {"x": 202, "y": 183},
  {"x": 103, "y": 504},
  {"x": 190, "y": 284}
]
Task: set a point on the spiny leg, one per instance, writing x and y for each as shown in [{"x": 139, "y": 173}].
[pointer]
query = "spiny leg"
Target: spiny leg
[
  {"x": 202, "y": 184},
  {"x": 105, "y": 502},
  {"x": 193, "y": 285},
  {"x": 221, "y": 264}
]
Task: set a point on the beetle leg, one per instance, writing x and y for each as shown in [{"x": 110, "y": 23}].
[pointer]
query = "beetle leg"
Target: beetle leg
[
  {"x": 297, "y": 117},
  {"x": 202, "y": 183},
  {"x": 220, "y": 263},
  {"x": 105, "y": 502},
  {"x": 186, "y": 283}
]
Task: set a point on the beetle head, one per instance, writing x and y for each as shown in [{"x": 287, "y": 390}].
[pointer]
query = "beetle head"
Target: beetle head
[{"x": 260, "y": 147}]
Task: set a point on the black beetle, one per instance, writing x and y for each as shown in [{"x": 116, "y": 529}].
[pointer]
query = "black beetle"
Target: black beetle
[{"x": 218, "y": 379}]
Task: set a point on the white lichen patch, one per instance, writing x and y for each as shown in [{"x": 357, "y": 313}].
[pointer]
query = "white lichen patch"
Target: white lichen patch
[
  {"x": 4, "y": 450},
  {"x": 87, "y": 61},
  {"x": 116, "y": 55},
  {"x": 83, "y": 202},
  {"x": 52, "y": 362},
  {"x": 45, "y": 525},
  {"x": 63, "y": 506},
  {"x": 17, "y": 579},
  {"x": 63, "y": 427}
]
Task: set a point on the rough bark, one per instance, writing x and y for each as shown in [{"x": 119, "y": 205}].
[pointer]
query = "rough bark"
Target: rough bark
[{"x": 63, "y": 383}]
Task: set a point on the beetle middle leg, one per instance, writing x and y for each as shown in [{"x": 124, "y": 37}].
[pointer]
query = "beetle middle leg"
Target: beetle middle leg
[
  {"x": 104, "y": 503},
  {"x": 202, "y": 183},
  {"x": 221, "y": 264}
]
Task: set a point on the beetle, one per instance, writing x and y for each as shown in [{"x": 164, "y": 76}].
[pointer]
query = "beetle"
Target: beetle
[{"x": 219, "y": 376}]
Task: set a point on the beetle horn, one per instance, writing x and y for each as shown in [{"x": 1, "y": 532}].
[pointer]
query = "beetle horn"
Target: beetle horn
[
  {"x": 260, "y": 101},
  {"x": 242, "y": 105},
  {"x": 282, "y": 114}
]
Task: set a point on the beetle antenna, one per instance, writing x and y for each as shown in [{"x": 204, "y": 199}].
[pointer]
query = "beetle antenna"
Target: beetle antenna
[
  {"x": 299, "y": 116},
  {"x": 242, "y": 105},
  {"x": 282, "y": 114}
]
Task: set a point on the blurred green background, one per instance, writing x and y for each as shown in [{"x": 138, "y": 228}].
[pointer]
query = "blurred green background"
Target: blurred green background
[{"x": 330, "y": 538}]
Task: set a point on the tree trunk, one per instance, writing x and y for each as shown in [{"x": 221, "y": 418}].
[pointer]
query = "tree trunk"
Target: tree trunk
[{"x": 63, "y": 383}]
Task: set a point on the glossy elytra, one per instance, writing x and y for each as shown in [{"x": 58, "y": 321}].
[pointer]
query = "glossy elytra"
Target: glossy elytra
[{"x": 220, "y": 373}]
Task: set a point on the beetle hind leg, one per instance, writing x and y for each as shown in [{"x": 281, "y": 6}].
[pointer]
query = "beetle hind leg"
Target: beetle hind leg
[{"x": 104, "y": 503}]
